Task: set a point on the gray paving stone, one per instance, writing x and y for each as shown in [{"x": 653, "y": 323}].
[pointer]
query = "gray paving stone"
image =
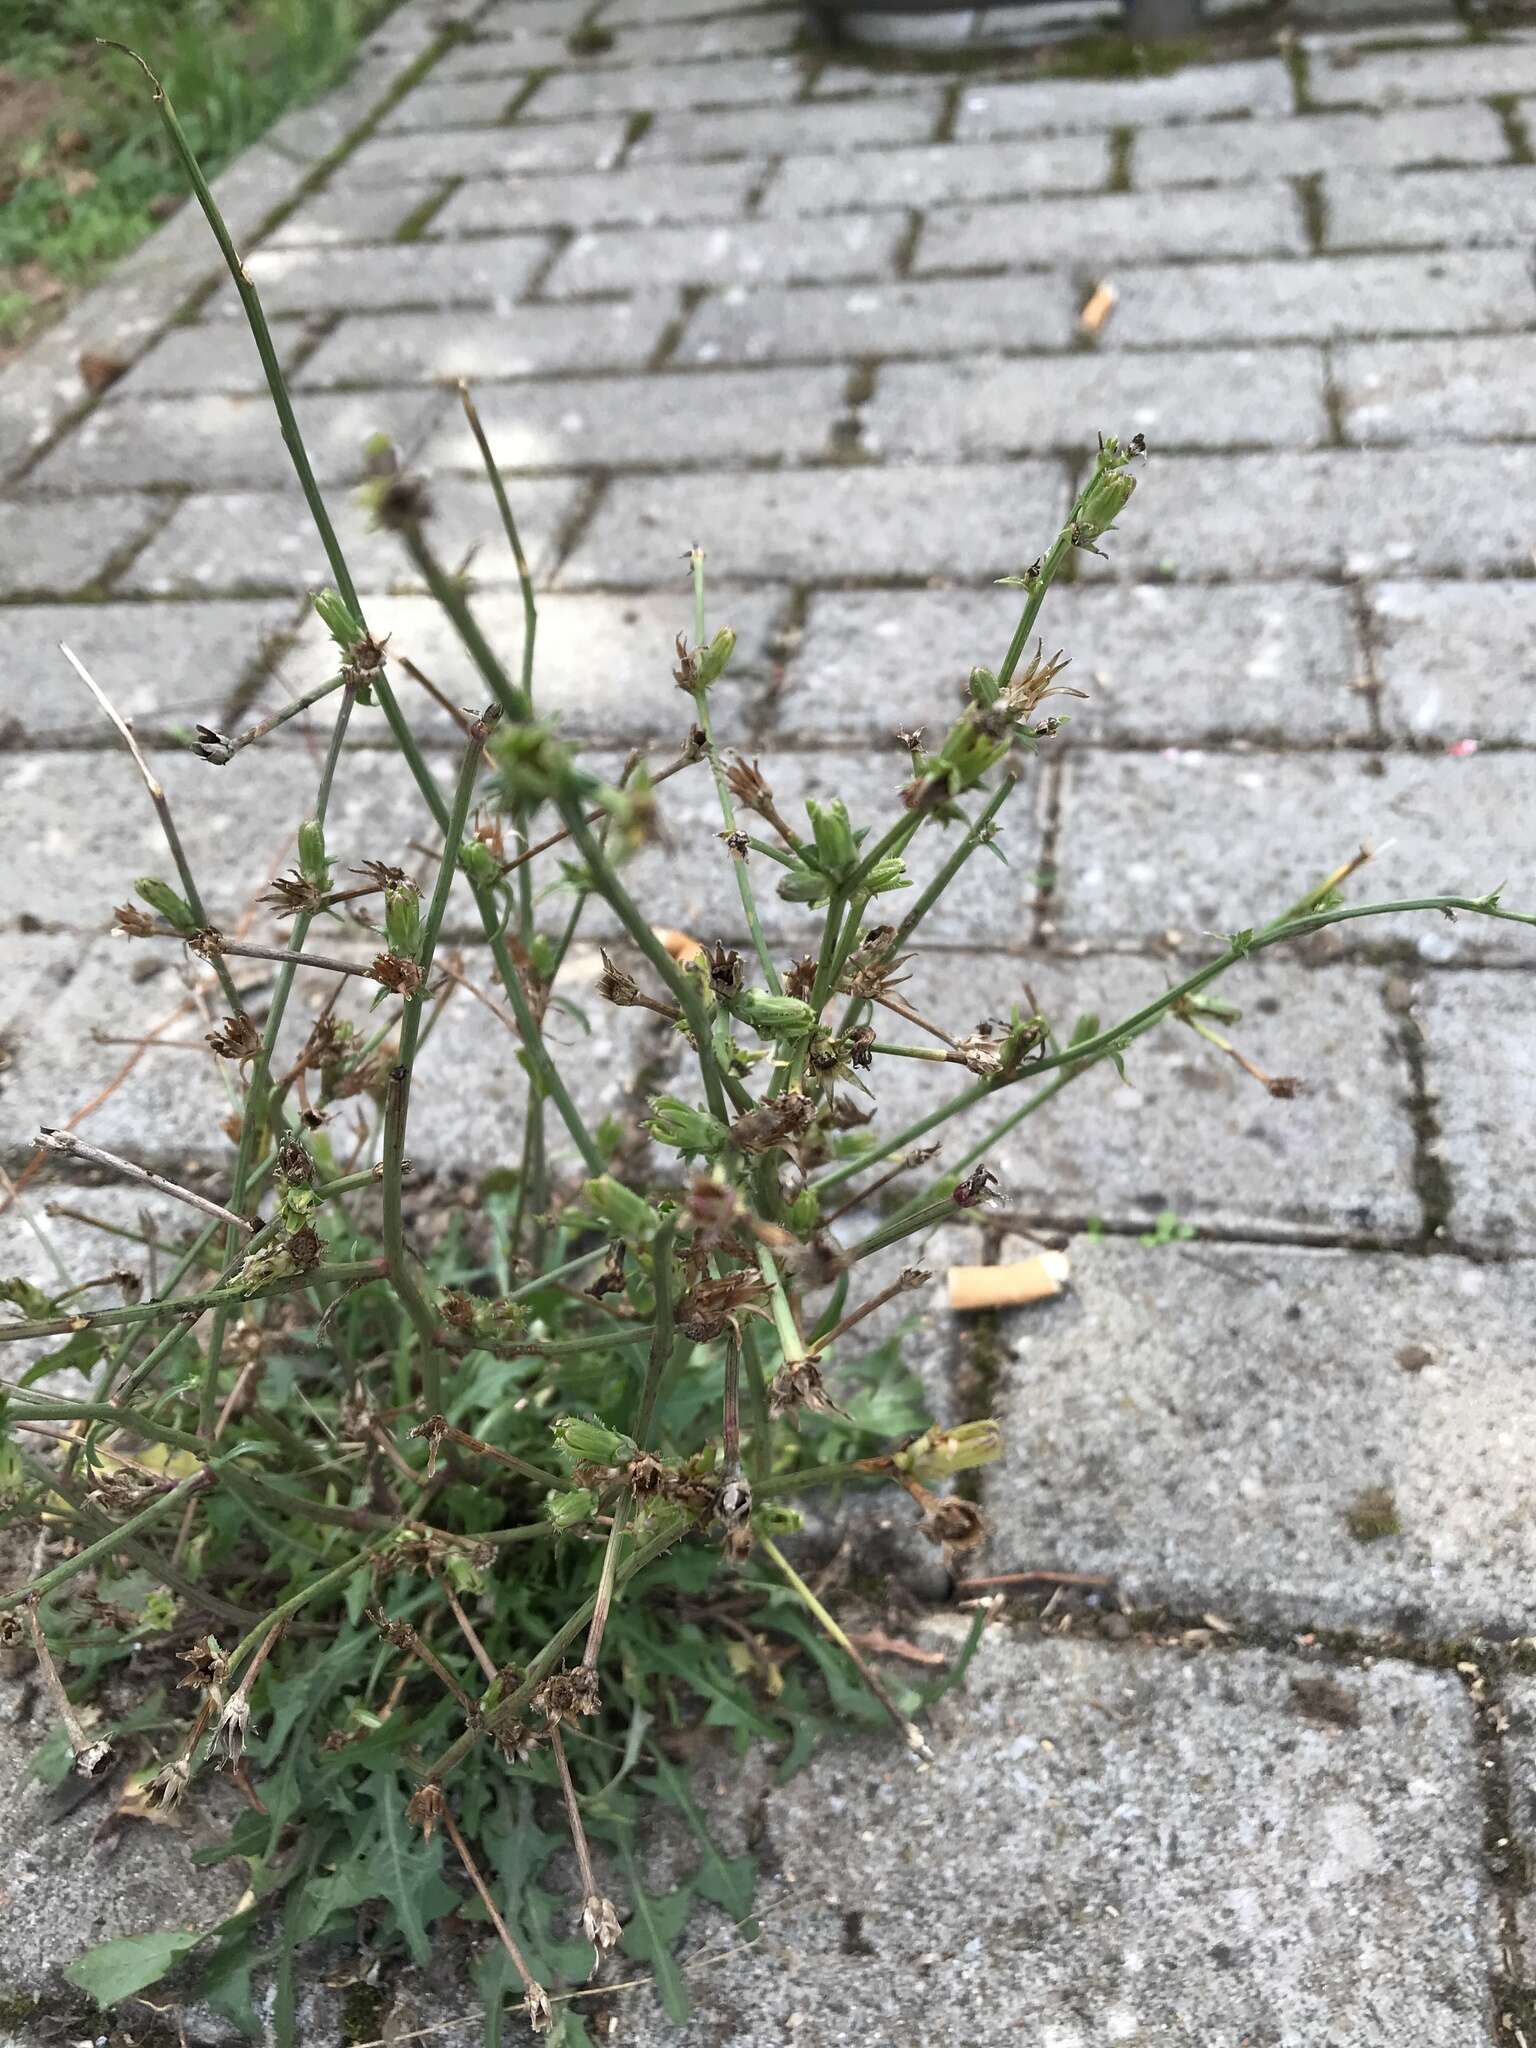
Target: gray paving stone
[
  {"x": 1318, "y": 300},
  {"x": 1465, "y": 133},
  {"x": 603, "y": 665},
  {"x": 815, "y": 524},
  {"x": 986, "y": 406},
  {"x": 724, "y": 35},
  {"x": 645, "y": 13},
  {"x": 483, "y": 152},
  {"x": 431, "y": 274},
  {"x": 1457, "y": 660},
  {"x": 353, "y": 213},
  {"x": 1240, "y": 1831},
  {"x": 532, "y": 17},
  {"x": 1519, "y": 1699},
  {"x": 1187, "y": 1131},
  {"x": 1430, "y": 511},
  {"x": 1462, "y": 208},
  {"x": 443, "y": 104},
  {"x": 942, "y": 171},
  {"x": 1470, "y": 389},
  {"x": 1112, "y": 227},
  {"x": 1200, "y": 1422},
  {"x": 629, "y": 259},
  {"x": 599, "y": 199},
  {"x": 500, "y": 54},
  {"x": 791, "y": 131},
  {"x": 673, "y": 421},
  {"x": 211, "y": 356},
  {"x": 1195, "y": 94},
  {"x": 1161, "y": 664},
  {"x": 689, "y": 872},
  {"x": 264, "y": 540},
  {"x": 667, "y": 88},
  {"x": 420, "y": 348},
  {"x": 219, "y": 441},
  {"x": 161, "y": 665},
  {"x": 65, "y": 544},
  {"x": 1481, "y": 1075},
  {"x": 893, "y": 319},
  {"x": 1231, "y": 840},
  {"x": 1391, "y": 78}
]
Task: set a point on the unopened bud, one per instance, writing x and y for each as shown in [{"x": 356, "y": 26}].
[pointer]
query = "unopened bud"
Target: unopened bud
[
  {"x": 589, "y": 1442},
  {"x": 713, "y": 660},
  {"x": 568, "y": 1510},
  {"x": 161, "y": 897},
  {"x": 479, "y": 863},
  {"x": 618, "y": 1211},
  {"x": 775, "y": 1016},
  {"x": 313, "y": 865},
  {"x": 402, "y": 918},
  {"x": 338, "y": 619},
  {"x": 686, "y": 1129},
  {"x": 940, "y": 1453}
]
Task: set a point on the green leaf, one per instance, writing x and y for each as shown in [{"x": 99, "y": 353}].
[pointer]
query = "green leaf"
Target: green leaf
[
  {"x": 227, "y": 1985},
  {"x": 650, "y": 1934},
  {"x": 117, "y": 1969},
  {"x": 406, "y": 1869}
]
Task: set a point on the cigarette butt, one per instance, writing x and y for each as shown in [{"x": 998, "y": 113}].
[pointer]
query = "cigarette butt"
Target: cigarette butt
[
  {"x": 678, "y": 944},
  {"x": 1101, "y": 303},
  {"x": 1011, "y": 1286}
]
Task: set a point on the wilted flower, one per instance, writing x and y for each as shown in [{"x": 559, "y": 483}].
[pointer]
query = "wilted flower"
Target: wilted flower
[
  {"x": 426, "y": 1807},
  {"x": 798, "y": 1384},
  {"x": 600, "y": 1922}
]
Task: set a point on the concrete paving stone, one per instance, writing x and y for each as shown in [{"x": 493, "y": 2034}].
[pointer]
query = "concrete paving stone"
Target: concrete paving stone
[
  {"x": 1018, "y": 27},
  {"x": 508, "y": 51},
  {"x": 531, "y": 17},
  {"x": 1519, "y": 1699},
  {"x": 925, "y": 32},
  {"x": 1111, "y": 227},
  {"x": 1392, "y": 78},
  {"x": 742, "y": 325},
  {"x": 644, "y": 13},
  {"x": 925, "y": 1325},
  {"x": 688, "y": 873},
  {"x": 265, "y": 540},
  {"x": 666, "y": 88},
  {"x": 420, "y": 348},
  {"x": 219, "y": 442},
  {"x": 483, "y": 152},
  {"x": 1187, "y": 1131},
  {"x": 678, "y": 420},
  {"x": 1370, "y": 512},
  {"x": 586, "y": 199},
  {"x": 987, "y": 406},
  {"x": 1322, "y": 299},
  {"x": 603, "y": 665},
  {"x": 1198, "y": 93},
  {"x": 1456, "y": 660},
  {"x": 438, "y": 105},
  {"x": 1481, "y": 1077},
  {"x": 1199, "y": 1423},
  {"x": 1269, "y": 662},
  {"x": 936, "y": 172},
  {"x": 489, "y": 271},
  {"x": 792, "y": 131},
  {"x": 353, "y": 213},
  {"x": 1466, "y": 133},
  {"x": 1124, "y": 1847},
  {"x": 1230, "y": 840},
  {"x": 1470, "y": 389},
  {"x": 162, "y": 665},
  {"x": 766, "y": 34},
  {"x": 816, "y": 525},
  {"x": 66, "y": 543},
  {"x": 210, "y": 356},
  {"x": 44, "y": 383},
  {"x": 169, "y": 1108},
  {"x": 770, "y": 251},
  {"x": 1408, "y": 208},
  {"x": 1385, "y": 34}
]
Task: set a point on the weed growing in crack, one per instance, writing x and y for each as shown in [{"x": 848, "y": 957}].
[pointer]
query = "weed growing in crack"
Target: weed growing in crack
[{"x": 457, "y": 1551}]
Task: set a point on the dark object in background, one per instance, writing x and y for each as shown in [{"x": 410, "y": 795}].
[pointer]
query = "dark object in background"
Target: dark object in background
[{"x": 1145, "y": 19}]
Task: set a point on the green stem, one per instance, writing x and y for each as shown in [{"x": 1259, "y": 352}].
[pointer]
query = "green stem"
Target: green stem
[
  {"x": 105, "y": 1546},
  {"x": 218, "y": 1297}
]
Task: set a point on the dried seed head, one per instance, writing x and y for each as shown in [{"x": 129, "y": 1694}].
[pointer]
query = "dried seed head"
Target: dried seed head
[
  {"x": 1285, "y": 1087},
  {"x": 95, "y": 1759},
  {"x": 236, "y": 1039},
  {"x": 129, "y": 922},
  {"x": 565, "y": 1694},
  {"x": 617, "y": 987},
  {"x": 233, "y": 1723},
  {"x": 426, "y": 1807},
  {"x": 207, "y": 1668},
  {"x": 978, "y": 1186},
  {"x": 600, "y": 1922},
  {"x": 772, "y": 1122},
  {"x": 403, "y": 502},
  {"x": 400, "y": 977},
  {"x": 735, "y": 1510},
  {"x": 947, "y": 1519},
  {"x": 798, "y": 1384},
  {"x": 541, "y": 2014},
  {"x": 166, "y": 1788},
  {"x": 747, "y": 784},
  {"x": 725, "y": 970},
  {"x": 801, "y": 979}
]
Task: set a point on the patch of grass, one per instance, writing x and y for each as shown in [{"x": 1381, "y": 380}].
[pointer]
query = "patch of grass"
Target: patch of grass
[
  {"x": 1372, "y": 1515},
  {"x": 85, "y": 169}
]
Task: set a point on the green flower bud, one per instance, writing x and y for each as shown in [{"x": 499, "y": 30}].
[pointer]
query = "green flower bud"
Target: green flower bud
[
  {"x": 462, "y": 1573},
  {"x": 618, "y": 1210},
  {"x": 777, "y": 1518},
  {"x": 313, "y": 865},
  {"x": 984, "y": 687},
  {"x": 338, "y": 619},
  {"x": 1101, "y": 505},
  {"x": 590, "y": 1442},
  {"x": 479, "y": 863},
  {"x": 940, "y": 1453},
  {"x": 402, "y": 919},
  {"x": 837, "y": 849},
  {"x": 162, "y": 897},
  {"x": 711, "y": 661},
  {"x": 686, "y": 1129},
  {"x": 775, "y": 1016},
  {"x": 886, "y": 875},
  {"x": 568, "y": 1510},
  {"x": 805, "y": 1211}
]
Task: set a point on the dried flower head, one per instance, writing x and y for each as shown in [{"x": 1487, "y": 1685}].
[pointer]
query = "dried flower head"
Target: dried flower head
[
  {"x": 801, "y": 979},
  {"x": 600, "y": 1922},
  {"x": 236, "y": 1039},
  {"x": 773, "y": 1122},
  {"x": 167, "y": 1787},
  {"x": 978, "y": 1186},
  {"x": 748, "y": 785},
  {"x": 400, "y": 977},
  {"x": 798, "y": 1384},
  {"x": 233, "y": 1723},
  {"x": 426, "y": 1807},
  {"x": 712, "y": 1304},
  {"x": 565, "y": 1694},
  {"x": 129, "y": 922},
  {"x": 617, "y": 987}
]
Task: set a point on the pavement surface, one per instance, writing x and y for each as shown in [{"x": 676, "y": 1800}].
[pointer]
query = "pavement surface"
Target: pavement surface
[{"x": 1272, "y": 1784}]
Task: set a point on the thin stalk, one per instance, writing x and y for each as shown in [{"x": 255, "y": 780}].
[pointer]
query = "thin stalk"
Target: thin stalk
[
  {"x": 183, "y": 1304},
  {"x": 222, "y": 751},
  {"x": 106, "y": 1546},
  {"x": 327, "y": 1582},
  {"x": 65, "y": 1145}
]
